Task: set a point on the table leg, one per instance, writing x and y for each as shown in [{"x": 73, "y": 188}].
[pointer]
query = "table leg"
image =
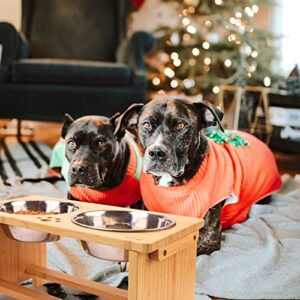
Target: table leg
[
  {"x": 16, "y": 256},
  {"x": 157, "y": 278}
]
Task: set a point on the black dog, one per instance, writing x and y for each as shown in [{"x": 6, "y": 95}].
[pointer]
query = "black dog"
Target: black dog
[
  {"x": 98, "y": 154},
  {"x": 173, "y": 155},
  {"x": 178, "y": 156}
]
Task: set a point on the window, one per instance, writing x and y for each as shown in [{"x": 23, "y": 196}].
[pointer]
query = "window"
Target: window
[{"x": 287, "y": 24}]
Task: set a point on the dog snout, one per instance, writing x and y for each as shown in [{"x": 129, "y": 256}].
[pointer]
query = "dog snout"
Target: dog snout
[
  {"x": 157, "y": 153},
  {"x": 78, "y": 170}
]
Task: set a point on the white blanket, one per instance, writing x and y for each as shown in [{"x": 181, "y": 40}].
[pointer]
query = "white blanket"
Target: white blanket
[{"x": 260, "y": 258}]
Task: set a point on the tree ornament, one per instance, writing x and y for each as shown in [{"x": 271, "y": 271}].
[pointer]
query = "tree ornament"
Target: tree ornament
[{"x": 228, "y": 137}]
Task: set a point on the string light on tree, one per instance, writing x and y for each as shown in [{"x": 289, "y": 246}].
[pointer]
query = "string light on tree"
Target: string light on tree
[
  {"x": 216, "y": 89},
  {"x": 267, "y": 81},
  {"x": 238, "y": 14},
  {"x": 156, "y": 81},
  {"x": 227, "y": 63},
  {"x": 213, "y": 38},
  {"x": 254, "y": 54},
  {"x": 188, "y": 83},
  {"x": 174, "y": 55},
  {"x": 208, "y": 23},
  {"x": 232, "y": 37},
  {"x": 191, "y": 9},
  {"x": 177, "y": 62},
  {"x": 192, "y": 61},
  {"x": 218, "y": 2},
  {"x": 191, "y": 29},
  {"x": 175, "y": 38},
  {"x": 195, "y": 51},
  {"x": 249, "y": 11},
  {"x": 186, "y": 37},
  {"x": 207, "y": 60},
  {"x": 174, "y": 83},
  {"x": 250, "y": 29},
  {"x": 255, "y": 8},
  {"x": 252, "y": 68},
  {"x": 164, "y": 57},
  {"x": 245, "y": 49},
  {"x": 186, "y": 21},
  {"x": 206, "y": 68},
  {"x": 169, "y": 72},
  {"x": 232, "y": 20},
  {"x": 205, "y": 45}
]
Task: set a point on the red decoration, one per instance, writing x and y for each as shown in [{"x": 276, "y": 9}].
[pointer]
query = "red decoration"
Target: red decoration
[{"x": 137, "y": 4}]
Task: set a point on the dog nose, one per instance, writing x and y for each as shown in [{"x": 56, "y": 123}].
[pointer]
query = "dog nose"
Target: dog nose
[
  {"x": 157, "y": 153},
  {"x": 77, "y": 169}
]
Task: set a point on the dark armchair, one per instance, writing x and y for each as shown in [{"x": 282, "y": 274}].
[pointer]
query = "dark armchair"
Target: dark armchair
[{"x": 71, "y": 56}]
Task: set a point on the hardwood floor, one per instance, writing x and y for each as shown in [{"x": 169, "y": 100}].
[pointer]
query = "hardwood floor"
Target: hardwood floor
[{"x": 49, "y": 132}]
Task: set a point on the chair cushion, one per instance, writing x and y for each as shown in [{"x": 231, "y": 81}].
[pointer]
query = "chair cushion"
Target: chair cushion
[{"x": 65, "y": 71}]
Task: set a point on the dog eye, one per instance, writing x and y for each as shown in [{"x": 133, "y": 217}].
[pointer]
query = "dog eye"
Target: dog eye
[
  {"x": 147, "y": 126},
  {"x": 100, "y": 143},
  {"x": 180, "y": 125},
  {"x": 71, "y": 144}
]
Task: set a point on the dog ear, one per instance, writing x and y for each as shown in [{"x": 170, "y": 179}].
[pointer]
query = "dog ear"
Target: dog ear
[
  {"x": 68, "y": 120},
  {"x": 210, "y": 114},
  {"x": 127, "y": 120}
]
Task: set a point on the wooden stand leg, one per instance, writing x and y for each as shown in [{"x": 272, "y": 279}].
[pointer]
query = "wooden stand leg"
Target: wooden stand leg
[
  {"x": 153, "y": 278},
  {"x": 15, "y": 257}
]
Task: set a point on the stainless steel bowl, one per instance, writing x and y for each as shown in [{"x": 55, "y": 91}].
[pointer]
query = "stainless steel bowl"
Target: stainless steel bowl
[
  {"x": 122, "y": 221},
  {"x": 34, "y": 236}
]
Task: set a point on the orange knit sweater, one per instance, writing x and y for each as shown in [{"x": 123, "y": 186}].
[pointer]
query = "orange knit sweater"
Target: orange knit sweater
[{"x": 248, "y": 172}]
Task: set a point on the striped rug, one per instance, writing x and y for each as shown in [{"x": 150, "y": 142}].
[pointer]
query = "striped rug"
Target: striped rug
[{"x": 20, "y": 160}]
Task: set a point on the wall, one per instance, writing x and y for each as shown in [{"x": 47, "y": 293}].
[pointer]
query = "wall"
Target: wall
[{"x": 10, "y": 11}]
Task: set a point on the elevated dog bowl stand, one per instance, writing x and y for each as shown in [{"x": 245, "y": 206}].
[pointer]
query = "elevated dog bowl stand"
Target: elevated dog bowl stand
[{"x": 162, "y": 264}]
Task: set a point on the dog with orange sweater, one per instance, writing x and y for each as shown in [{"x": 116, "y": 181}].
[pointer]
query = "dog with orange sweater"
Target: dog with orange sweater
[{"x": 188, "y": 172}]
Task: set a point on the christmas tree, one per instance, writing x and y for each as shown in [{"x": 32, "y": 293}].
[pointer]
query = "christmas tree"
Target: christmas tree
[{"x": 215, "y": 42}]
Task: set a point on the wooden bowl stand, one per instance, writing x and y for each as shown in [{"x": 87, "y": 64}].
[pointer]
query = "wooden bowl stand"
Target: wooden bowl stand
[{"x": 162, "y": 264}]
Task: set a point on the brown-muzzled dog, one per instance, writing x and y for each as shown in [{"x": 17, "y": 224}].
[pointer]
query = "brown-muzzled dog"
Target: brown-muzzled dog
[
  {"x": 176, "y": 151},
  {"x": 182, "y": 151}
]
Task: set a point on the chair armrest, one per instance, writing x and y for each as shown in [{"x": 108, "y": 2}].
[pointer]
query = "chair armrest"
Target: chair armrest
[
  {"x": 132, "y": 50},
  {"x": 14, "y": 44}
]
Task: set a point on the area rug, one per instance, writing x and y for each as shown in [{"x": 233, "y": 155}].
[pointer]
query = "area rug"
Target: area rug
[{"x": 259, "y": 259}]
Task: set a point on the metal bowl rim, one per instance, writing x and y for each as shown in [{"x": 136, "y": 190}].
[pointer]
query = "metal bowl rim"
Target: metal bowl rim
[
  {"x": 77, "y": 207},
  {"x": 173, "y": 222}
]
